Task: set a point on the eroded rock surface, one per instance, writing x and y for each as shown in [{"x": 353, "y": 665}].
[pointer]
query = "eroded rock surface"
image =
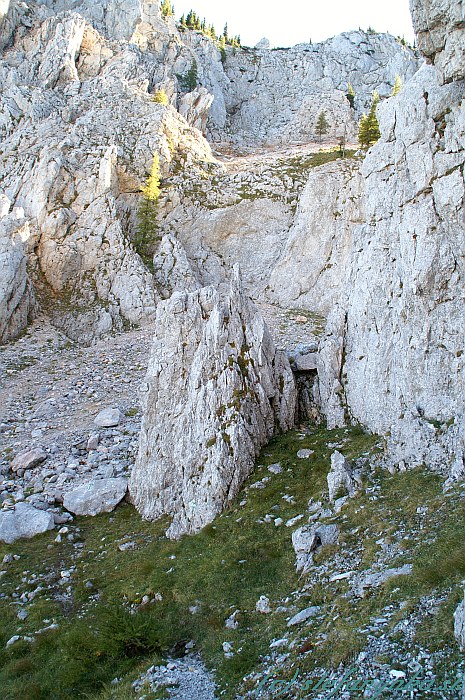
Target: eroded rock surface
[
  {"x": 216, "y": 391},
  {"x": 17, "y": 301},
  {"x": 393, "y": 356}
]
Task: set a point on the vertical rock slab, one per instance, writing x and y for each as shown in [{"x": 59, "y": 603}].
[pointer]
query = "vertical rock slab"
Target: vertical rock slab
[
  {"x": 17, "y": 302},
  {"x": 216, "y": 390}
]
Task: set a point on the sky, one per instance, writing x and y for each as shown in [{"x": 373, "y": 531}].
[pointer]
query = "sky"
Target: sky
[{"x": 289, "y": 23}]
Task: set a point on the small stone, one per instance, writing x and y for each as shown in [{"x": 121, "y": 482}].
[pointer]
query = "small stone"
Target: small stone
[
  {"x": 22, "y": 614},
  {"x": 275, "y": 468},
  {"x": 305, "y": 454},
  {"x": 279, "y": 643},
  {"x": 304, "y": 615},
  {"x": 231, "y": 623},
  {"x": 263, "y": 605},
  {"x": 13, "y": 640},
  {"x": 108, "y": 418},
  {"x": 28, "y": 459},
  {"x": 293, "y": 521},
  {"x": 92, "y": 442},
  {"x": 394, "y": 673}
]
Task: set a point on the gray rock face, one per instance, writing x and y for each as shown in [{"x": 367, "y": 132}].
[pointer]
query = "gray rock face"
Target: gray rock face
[
  {"x": 275, "y": 97},
  {"x": 195, "y": 107},
  {"x": 439, "y": 26},
  {"x": 397, "y": 325},
  {"x": 310, "y": 271},
  {"x": 216, "y": 391},
  {"x": 172, "y": 269},
  {"x": 308, "y": 539},
  {"x": 17, "y": 301},
  {"x": 78, "y": 184},
  {"x": 116, "y": 19},
  {"x": 24, "y": 521},
  {"x": 94, "y": 497}
]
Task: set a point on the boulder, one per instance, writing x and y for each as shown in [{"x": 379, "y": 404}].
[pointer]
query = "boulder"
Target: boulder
[
  {"x": 28, "y": 459},
  {"x": 341, "y": 479},
  {"x": 24, "y": 521},
  {"x": 108, "y": 418},
  {"x": 308, "y": 539},
  {"x": 94, "y": 497},
  {"x": 216, "y": 390},
  {"x": 459, "y": 623}
]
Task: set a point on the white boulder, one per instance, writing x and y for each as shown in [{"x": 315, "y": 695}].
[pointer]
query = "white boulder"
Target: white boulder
[
  {"x": 24, "y": 521},
  {"x": 94, "y": 497}
]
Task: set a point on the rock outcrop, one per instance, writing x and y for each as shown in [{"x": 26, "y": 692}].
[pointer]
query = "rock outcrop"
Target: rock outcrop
[
  {"x": 288, "y": 221},
  {"x": 310, "y": 271},
  {"x": 393, "y": 356},
  {"x": 79, "y": 129},
  {"x": 216, "y": 391},
  {"x": 17, "y": 301}
]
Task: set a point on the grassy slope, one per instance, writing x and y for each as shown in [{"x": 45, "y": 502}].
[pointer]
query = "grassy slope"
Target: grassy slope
[{"x": 104, "y": 632}]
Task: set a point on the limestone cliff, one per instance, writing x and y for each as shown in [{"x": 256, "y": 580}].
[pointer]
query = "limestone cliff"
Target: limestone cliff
[
  {"x": 79, "y": 128},
  {"x": 393, "y": 356}
]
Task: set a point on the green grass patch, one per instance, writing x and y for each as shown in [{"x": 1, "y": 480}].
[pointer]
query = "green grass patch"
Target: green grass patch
[{"x": 104, "y": 630}]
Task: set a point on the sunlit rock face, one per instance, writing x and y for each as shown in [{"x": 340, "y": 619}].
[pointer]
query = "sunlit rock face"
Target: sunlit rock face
[
  {"x": 393, "y": 356},
  {"x": 216, "y": 391}
]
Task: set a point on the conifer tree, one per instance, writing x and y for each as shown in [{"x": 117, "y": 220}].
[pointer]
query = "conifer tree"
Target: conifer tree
[
  {"x": 191, "y": 77},
  {"x": 351, "y": 95},
  {"x": 166, "y": 8},
  {"x": 397, "y": 86},
  {"x": 368, "y": 129},
  {"x": 322, "y": 125},
  {"x": 146, "y": 231},
  {"x": 225, "y": 31}
]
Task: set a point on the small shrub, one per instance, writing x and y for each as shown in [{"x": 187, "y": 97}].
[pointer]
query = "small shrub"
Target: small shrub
[{"x": 161, "y": 98}]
